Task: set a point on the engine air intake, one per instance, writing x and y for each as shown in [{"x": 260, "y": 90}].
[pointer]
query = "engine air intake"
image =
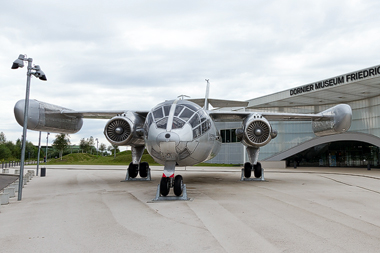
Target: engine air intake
[
  {"x": 258, "y": 131},
  {"x": 118, "y": 130}
]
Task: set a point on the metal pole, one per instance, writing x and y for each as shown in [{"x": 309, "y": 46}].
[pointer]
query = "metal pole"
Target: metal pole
[
  {"x": 21, "y": 178},
  {"x": 39, "y": 151},
  {"x": 47, "y": 141}
]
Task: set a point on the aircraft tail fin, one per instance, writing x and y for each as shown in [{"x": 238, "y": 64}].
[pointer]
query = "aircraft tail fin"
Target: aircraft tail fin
[{"x": 207, "y": 94}]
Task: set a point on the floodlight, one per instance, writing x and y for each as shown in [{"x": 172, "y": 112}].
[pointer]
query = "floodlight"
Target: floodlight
[
  {"x": 19, "y": 62},
  {"x": 39, "y": 73}
]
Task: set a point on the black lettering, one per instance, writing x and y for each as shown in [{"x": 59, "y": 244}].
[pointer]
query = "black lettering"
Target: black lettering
[
  {"x": 340, "y": 79},
  {"x": 318, "y": 85},
  {"x": 378, "y": 70},
  {"x": 360, "y": 75},
  {"x": 365, "y": 73},
  {"x": 372, "y": 72}
]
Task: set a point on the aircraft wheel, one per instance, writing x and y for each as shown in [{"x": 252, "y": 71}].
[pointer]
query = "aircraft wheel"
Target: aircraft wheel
[
  {"x": 133, "y": 170},
  {"x": 144, "y": 168},
  {"x": 247, "y": 170},
  {"x": 178, "y": 185},
  {"x": 257, "y": 170},
  {"x": 165, "y": 186}
]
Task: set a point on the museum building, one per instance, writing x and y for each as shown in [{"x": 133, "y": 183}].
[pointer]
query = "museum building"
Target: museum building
[{"x": 296, "y": 141}]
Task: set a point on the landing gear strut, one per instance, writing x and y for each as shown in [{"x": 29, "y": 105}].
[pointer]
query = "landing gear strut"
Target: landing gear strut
[
  {"x": 258, "y": 172},
  {"x": 178, "y": 186},
  {"x": 136, "y": 169}
]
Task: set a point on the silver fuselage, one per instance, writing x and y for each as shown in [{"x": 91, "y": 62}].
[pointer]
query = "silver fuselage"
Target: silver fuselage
[{"x": 181, "y": 131}]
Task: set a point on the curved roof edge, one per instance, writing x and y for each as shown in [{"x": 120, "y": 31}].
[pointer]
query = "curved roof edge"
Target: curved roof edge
[{"x": 348, "y": 136}]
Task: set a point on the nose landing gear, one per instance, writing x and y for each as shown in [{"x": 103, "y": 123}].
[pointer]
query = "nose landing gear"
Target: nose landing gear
[{"x": 178, "y": 186}]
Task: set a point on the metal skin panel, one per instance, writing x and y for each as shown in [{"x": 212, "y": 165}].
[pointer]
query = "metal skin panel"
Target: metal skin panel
[
  {"x": 339, "y": 116},
  {"x": 47, "y": 118},
  {"x": 178, "y": 144}
]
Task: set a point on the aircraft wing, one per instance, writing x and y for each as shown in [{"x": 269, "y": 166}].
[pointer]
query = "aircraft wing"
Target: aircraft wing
[
  {"x": 219, "y": 102},
  {"x": 226, "y": 116},
  {"x": 106, "y": 114}
]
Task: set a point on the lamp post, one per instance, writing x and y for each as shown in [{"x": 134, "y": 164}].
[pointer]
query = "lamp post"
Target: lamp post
[
  {"x": 47, "y": 143},
  {"x": 39, "y": 152},
  {"x": 97, "y": 142},
  {"x": 19, "y": 63}
]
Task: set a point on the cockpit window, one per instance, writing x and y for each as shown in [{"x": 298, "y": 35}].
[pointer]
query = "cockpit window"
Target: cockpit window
[
  {"x": 195, "y": 121},
  {"x": 178, "y": 123},
  {"x": 186, "y": 114},
  {"x": 178, "y": 110},
  {"x": 158, "y": 114},
  {"x": 167, "y": 109},
  {"x": 162, "y": 123}
]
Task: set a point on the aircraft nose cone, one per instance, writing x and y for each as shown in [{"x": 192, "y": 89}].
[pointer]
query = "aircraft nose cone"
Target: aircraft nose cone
[{"x": 168, "y": 137}]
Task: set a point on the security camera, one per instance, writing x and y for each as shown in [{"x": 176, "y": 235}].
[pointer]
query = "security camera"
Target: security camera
[
  {"x": 19, "y": 63},
  {"x": 39, "y": 73}
]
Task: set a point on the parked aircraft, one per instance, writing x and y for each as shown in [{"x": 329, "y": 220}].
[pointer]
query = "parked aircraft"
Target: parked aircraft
[{"x": 180, "y": 132}]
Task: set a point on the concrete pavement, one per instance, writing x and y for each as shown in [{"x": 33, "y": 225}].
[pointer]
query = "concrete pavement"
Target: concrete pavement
[{"x": 89, "y": 209}]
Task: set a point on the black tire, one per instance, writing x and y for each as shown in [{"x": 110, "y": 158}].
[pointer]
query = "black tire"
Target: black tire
[
  {"x": 144, "y": 168},
  {"x": 133, "y": 170},
  {"x": 257, "y": 170},
  {"x": 165, "y": 186},
  {"x": 178, "y": 185},
  {"x": 247, "y": 170}
]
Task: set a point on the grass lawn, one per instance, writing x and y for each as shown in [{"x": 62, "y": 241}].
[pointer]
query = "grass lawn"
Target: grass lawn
[{"x": 122, "y": 158}]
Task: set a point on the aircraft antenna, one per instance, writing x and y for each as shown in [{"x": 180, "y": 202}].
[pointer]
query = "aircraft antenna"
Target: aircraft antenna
[
  {"x": 207, "y": 94},
  {"x": 182, "y": 96}
]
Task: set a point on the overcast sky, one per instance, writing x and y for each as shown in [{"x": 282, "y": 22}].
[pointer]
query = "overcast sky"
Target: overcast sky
[{"x": 133, "y": 55}]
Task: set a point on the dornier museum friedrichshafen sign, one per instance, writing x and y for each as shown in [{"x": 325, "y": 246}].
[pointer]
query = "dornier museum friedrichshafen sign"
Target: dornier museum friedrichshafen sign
[{"x": 347, "y": 78}]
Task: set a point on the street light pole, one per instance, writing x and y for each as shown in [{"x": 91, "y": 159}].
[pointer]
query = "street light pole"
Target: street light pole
[
  {"x": 21, "y": 178},
  {"x": 19, "y": 63},
  {"x": 97, "y": 142},
  {"x": 47, "y": 143},
  {"x": 39, "y": 152}
]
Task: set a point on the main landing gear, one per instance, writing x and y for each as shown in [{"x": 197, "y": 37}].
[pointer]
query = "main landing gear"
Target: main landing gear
[
  {"x": 141, "y": 169},
  {"x": 258, "y": 172},
  {"x": 178, "y": 186}
]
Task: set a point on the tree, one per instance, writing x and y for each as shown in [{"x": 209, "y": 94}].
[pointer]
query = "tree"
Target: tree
[
  {"x": 5, "y": 153},
  {"x": 115, "y": 149},
  {"x": 102, "y": 148},
  {"x": 2, "y": 138},
  {"x": 61, "y": 142}
]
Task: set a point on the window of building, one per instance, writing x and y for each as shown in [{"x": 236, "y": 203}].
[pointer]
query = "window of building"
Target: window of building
[{"x": 228, "y": 135}]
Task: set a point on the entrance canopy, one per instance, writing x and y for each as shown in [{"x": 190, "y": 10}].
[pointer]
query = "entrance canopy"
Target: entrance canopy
[{"x": 358, "y": 85}]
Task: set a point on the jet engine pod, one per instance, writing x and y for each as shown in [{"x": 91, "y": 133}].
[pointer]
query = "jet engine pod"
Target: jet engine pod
[
  {"x": 118, "y": 131},
  {"x": 47, "y": 117},
  {"x": 257, "y": 131},
  {"x": 124, "y": 130},
  {"x": 340, "y": 117}
]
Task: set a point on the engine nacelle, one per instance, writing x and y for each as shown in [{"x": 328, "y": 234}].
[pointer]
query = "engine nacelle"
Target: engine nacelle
[
  {"x": 339, "y": 122},
  {"x": 256, "y": 131},
  {"x": 125, "y": 129},
  {"x": 46, "y": 117}
]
